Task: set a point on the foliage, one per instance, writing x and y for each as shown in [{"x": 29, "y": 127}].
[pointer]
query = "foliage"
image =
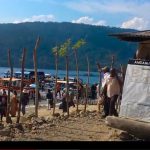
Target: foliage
[
  {"x": 78, "y": 44},
  {"x": 64, "y": 48}
]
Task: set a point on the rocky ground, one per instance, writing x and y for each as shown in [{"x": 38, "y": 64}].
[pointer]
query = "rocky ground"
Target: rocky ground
[{"x": 78, "y": 127}]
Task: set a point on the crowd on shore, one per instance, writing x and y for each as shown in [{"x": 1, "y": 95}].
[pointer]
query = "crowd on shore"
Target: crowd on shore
[{"x": 107, "y": 94}]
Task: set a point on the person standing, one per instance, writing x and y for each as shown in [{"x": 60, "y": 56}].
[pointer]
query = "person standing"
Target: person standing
[
  {"x": 50, "y": 99},
  {"x": 2, "y": 108},
  {"x": 24, "y": 101},
  {"x": 4, "y": 102},
  {"x": 113, "y": 87},
  {"x": 103, "y": 91},
  {"x": 14, "y": 104}
]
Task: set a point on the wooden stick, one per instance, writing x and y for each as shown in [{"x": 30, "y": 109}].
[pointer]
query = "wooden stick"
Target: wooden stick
[
  {"x": 36, "y": 78},
  {"x": 8, "y": 118},
  {"x": 87, "y": 86},
  {"x": 67, "y": 84},
  {"x": 56, "y": 75},
  {"x": 77, "y": 71},
  {"x": 21, "y": 87}
]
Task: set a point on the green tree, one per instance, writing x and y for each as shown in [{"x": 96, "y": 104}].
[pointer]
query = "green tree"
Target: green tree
[
  {"x": 75, "y": 47},
  {"x": 64, "y": 52}
]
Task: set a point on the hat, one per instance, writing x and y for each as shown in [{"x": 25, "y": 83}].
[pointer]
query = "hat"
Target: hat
[
  {"x": 25, "y": 91},
  {"x": 105, "y": 68}
]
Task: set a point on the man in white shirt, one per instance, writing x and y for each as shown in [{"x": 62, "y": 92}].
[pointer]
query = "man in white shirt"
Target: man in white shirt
[{"x": 113, "y": 89}]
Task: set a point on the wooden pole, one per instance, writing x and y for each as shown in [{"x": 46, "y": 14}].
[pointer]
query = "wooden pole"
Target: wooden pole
[
  {"x": 8, "y": 118},
  {"x": 67, "y": 84},
  {"x": 21, "y": 87},
  {"x": 77, "y": 71},
  {"x": 137, "y": 128},
  {"x": 36, "y": 77},
  {"x": 56, "y": 75},
  {"x": 87, "y": 86}
]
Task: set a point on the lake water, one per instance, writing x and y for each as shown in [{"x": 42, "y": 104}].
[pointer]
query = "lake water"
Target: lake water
[{"x": 94, "y": 76}]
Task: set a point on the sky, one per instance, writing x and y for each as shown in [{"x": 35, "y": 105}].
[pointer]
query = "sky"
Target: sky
[{"x": 132, "y": 14}]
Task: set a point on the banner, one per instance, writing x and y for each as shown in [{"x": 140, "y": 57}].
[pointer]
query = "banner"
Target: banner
[{"x": 136, "y": 91}]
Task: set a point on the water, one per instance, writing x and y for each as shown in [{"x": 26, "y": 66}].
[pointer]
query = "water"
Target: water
[{"x": 94, "y": 76}]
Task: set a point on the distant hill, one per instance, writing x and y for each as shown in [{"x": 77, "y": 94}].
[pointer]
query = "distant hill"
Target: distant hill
[{"x": 99, "y": 45}]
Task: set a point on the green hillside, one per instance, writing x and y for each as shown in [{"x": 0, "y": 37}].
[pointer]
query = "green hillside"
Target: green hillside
[{"x": 99, "y": 46}]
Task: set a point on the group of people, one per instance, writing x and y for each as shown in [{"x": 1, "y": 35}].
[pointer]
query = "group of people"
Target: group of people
[
  {"x": 14, "y": 103},
  {"x": 110, "y": 91},
  {"x": 50, "y": 98}
]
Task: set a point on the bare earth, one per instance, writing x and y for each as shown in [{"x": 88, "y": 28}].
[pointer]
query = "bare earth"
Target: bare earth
[{"x": 83, "y": 127}]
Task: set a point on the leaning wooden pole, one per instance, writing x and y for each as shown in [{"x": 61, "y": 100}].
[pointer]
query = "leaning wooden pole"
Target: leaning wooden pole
[
  {"x": 77, "y": 71},
  {"x": 21, "y": 87},
  {"x": 36, "y": 77},
  {"x": 8, "y": 118},
  {"x": 87, "y": 86},
  {"x": 56, "y": 76}
]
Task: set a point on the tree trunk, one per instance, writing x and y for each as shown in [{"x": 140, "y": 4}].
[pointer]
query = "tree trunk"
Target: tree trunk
[
  {"x": 67, "y": 85},
  {"x": 36, "y": 77},
  {"x": 77, "y": 71},
  {"x": 137, "y": 128},
  {"x": 87, "y": 86},
  {"x": 8, "y": 118},
  {"x": 22, "y": 77},
  {"x": 56, "y": 75}
]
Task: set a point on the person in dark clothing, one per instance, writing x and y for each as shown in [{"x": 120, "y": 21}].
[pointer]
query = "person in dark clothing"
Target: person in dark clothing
[
  {"x": 93, "y": 91},
  {"x": 24, "y": 101},
  {"x": 2, "y": 108},
  {"x": 4, "y": 102},
  {"x": 71, "y": 98},
  {"x": 50, "y": 99},
  {"x": 63, "y": 105}
]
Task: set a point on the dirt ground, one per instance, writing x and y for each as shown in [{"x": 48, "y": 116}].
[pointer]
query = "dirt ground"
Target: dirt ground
[{"x": 83, "y": 127}]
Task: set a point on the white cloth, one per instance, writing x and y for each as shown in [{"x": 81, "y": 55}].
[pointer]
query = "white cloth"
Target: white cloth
[
  {"x": 113, "y": 87},
  {"x": 106, "y": 76}
]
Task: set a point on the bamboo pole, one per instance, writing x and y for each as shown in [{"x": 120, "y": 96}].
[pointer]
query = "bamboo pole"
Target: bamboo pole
[
  {"x": 21, "y": 87},
  {"x": 8, "y": 118},
  {"x": 36, "y": 78}
]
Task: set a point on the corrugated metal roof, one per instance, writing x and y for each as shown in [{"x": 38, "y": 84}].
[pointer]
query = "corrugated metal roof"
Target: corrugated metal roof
[{"x": 139, "y": 36}]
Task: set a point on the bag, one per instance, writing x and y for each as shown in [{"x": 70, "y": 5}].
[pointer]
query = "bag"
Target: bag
[{"x": 101, "y": 100}]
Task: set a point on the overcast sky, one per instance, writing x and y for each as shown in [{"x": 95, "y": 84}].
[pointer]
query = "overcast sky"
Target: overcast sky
[{"x": 118, "y": 13}]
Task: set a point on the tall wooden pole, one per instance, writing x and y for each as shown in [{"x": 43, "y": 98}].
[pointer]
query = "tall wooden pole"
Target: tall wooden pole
[
  {"x": 77, "y": 71},
  {"x": 56, "y": 75},
  {"x": 87, "y": 86},
  {"x": 8, "y": 118},
  {"x": 67, "y": 83},
  {"x": 21, "y": 87},
  {"x": 36, "y": 77}
]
